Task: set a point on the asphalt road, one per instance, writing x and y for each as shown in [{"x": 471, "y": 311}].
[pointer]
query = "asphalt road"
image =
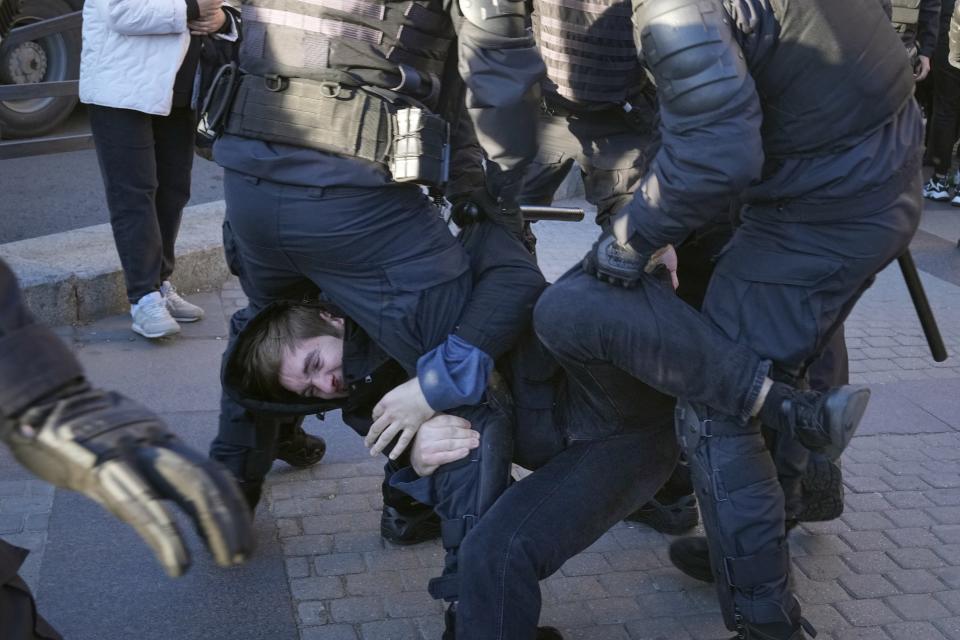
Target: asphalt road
[{"x": 40, "y": 195}]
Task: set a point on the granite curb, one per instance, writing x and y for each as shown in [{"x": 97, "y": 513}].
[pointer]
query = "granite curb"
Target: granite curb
[{"x": 75, "y": 276}]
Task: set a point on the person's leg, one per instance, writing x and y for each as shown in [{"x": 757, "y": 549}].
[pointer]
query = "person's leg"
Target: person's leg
[
  {"x": 175, "y": 135},
  {"x": 803, "y": 289},
  {"x": 125, "y": 147},
  {"x": 943, "y": 129},
  {"x": 18, "y": 609},
  {"x": 545, "y": 519}
]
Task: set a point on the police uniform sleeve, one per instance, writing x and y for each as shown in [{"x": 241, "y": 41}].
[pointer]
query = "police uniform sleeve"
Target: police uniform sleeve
[
  {"x": 710, "y": 116},
  {"x": 500, "y": 64},
  {"x": 927, "y": 25}
]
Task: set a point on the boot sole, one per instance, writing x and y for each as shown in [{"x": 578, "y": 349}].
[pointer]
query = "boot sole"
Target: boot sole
[
  {"x": 672, "y": 519},
  {"x": 162, "y": 334},
  {"x": 190, "y": 319},
  {"x": 844, "y": 410}
]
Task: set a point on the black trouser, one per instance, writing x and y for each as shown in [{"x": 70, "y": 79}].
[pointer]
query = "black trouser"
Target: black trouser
[
  {"x": 945, "y": 120},
  {"x": 145, "y": 161},
  {"x": 33, "y": 364}
]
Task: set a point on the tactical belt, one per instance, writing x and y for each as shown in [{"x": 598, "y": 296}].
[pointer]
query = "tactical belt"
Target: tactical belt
[{"x": 361, "y": 122}]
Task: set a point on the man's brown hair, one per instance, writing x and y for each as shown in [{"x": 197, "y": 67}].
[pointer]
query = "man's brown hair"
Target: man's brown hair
[{"x": 260, "y": 352}]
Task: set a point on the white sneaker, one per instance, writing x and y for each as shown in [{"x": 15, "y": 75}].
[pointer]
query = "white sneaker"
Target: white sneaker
[
  {"x": 955, "y": 201},
  {"x": 937, "y": 189},
  {"x": 151, "y": 318},
  {"x": 180, "y": 309}
]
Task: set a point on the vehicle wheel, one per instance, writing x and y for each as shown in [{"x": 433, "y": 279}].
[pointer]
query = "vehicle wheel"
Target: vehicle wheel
[
  {"x": 52, "y": 58},
  {"x": 822, "y": 490}
]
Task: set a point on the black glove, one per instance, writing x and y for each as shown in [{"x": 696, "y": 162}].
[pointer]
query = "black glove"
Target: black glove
[
  {"x": 117, "y": 452},
  {"x": 479, "y": 205},
  {"x": 612, "y": 259}
]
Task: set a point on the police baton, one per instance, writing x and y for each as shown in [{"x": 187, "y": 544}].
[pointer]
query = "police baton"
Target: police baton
[
  {"x": 534, "y": 212},
  {"x": 930, "y": 329}
]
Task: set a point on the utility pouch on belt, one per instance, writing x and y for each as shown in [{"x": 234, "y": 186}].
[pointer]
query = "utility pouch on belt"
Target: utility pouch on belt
[{"x": 346, "y": 119}]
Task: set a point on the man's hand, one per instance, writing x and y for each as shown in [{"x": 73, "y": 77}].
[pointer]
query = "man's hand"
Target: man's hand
[
  {"x": 402, "y": 411},
  {"x": 477, "y": 205},
  {"x": 923, "y": 68},
  {"x": 613, "y": 262},
  {"x": 118, "y": 453},
  {"x": 441, "y": 440},
  {"x": 666, "y": 259},
  {"x": 211, "y": 18}
]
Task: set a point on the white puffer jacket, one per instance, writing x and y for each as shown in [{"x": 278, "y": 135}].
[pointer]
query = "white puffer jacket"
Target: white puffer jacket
[{"x": 132, "y": 50}]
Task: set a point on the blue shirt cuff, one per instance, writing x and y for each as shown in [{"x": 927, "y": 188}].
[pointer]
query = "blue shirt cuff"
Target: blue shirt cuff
[{"x": 454, "y": 374}]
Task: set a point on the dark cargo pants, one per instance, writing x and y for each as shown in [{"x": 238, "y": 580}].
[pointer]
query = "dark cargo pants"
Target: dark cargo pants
[{"x": 383, "y": 256}]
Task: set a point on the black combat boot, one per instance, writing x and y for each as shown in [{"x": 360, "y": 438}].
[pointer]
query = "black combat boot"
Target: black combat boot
[
  {"x": 692, "y": 557},
  {"x": 823, "y": 421},
  {"x": 251, "y": 490},
  {"x": 673, "y": 509},
  {"x": 298, "y": 448},
  {"x": 775, "y": 631}
]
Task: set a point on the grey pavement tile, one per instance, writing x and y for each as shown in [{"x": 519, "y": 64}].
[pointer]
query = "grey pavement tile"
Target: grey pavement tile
[
  {"x": 416, "y": 579},
  {"x": 866, "y": 501},
  {"x": 915, "y": 580},
  {"x": 940, "y": 480},
  {"x": 567, "y": 614},
  {"x": 633, "y": 559},
  {"x": 606, "y": 542},
  {"x": 912, "y": 499},
  {"x": 947, "y": 533},
  {"x": 907, "y": 518},
  {"x": 914, "y": 631},
  {"x": 905, "y": 482},
  {"x": 949, "y": 552},
  {"x": 355, "y": 610},
  {"x": 342, "y": 522},
  {"x": 357, "y": 541},
  {"x": 665, "y": 604},
  {"x": 865, "y": 484},
  {"x": 329, "y": 632},
  {"x": 392, "y": 558},
  {"x": 671, "y": 579},
  {"x": 376, "y": 583},
  {"x": 868, "y": 540},
  {"x": 586, "y": 564},
  {"x": 339, "y": 564},
  {"x": 818, "y": 591},
  {"x": 409, "y": 604},
  {"x": 870, "y": 562},
  {"x": 949, "y": 575},
  {"x": 917, "y": 607},
  {"x": 913, "y": 537},
  {"x": 312, "y": 613},
  {"x": 317, "y": 588},
  {"x": 307, "y": 545},
  {"x": 627, "y": 583},
  {"x": 916, "y": 558},
  {"x": 11, "y": 523},
  {"x": 820, "y": 545},
  {"x": 949, "y": 599},
  {"x": 950, "y": 627},
  {"x": 867, "y": 520},
  {"x": 945, "y": 515},
  {"x": 430, "y": 627},
  {"x": 825, "y": 618},
  {"x": 617, "y": 610},
  {"x": 389, "y": 630},
  {"x": 659, "y": 629},
  {"x": 360, "y": 484},
  {"x": 867, "y": 613},
  {"x": 289, "y": 527},
  {"x": 312, "y": 489},
  {"x": 563, "y": 589},
  {"x": 298, "y": 567},
  {"x": 863, "y": 587},
  {"x": 866, "y": 633},
  {"x": 705, "y": 626},
  {"x": 600, "y": 632}
]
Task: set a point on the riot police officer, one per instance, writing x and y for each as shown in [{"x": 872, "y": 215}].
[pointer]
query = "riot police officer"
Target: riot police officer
[{"x": 806, "y": 114}]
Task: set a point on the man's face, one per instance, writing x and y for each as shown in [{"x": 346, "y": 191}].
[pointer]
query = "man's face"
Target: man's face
[{"x": 314, "y": 368}]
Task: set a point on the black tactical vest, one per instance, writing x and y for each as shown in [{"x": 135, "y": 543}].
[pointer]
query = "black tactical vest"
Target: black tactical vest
[
  {"x": 382, "y": 43},
  {"x": 836, "y": 73},
  {"x": 588, "y": 48}
]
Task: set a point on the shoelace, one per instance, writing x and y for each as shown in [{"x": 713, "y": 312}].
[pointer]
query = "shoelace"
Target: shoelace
[{"x": 155, "y": 309}]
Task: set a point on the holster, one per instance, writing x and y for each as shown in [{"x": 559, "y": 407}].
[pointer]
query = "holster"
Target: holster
[{"x": 346, "y": 118}]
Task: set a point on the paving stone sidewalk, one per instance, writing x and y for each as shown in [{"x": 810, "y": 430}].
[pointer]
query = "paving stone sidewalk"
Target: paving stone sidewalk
[{"x": 888, "y": 569}]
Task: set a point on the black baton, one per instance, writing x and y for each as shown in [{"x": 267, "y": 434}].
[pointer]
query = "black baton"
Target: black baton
[
  {"x": 930, "y": 329},
  {"x": 534, "y": 212}
]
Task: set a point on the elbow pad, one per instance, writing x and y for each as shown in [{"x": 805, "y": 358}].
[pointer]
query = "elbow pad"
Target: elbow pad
[
  {"x": 503, "y": 18},
  {"x": 689, "y": 47}
]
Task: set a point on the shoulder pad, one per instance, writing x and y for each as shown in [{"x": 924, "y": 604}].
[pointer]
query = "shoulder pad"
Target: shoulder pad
[
  {"x": 506, "y": 18},
  {"x": 688, "y": 46}
]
